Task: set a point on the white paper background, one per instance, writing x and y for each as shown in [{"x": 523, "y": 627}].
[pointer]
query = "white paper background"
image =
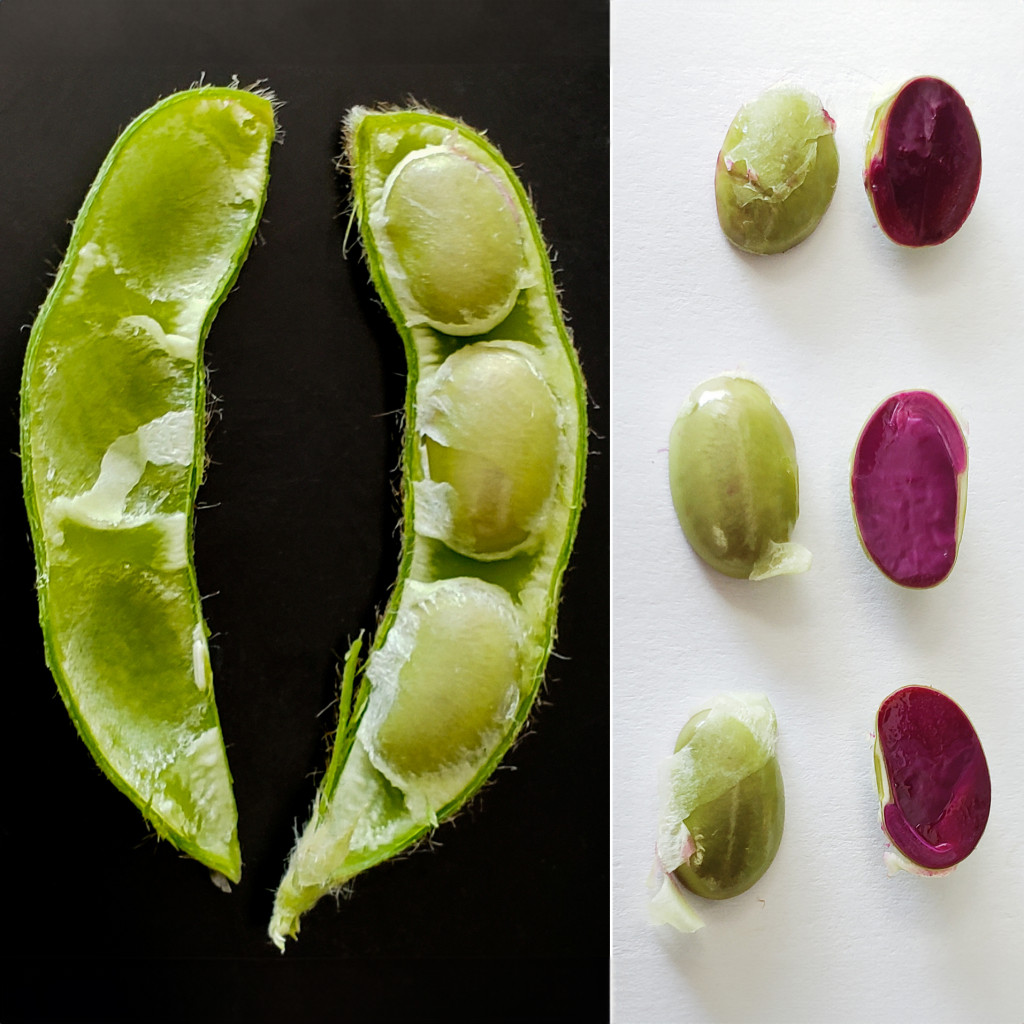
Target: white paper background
[{"x": 831, "y": 329}]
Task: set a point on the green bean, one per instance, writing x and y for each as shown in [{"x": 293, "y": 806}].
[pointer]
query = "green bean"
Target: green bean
[
  {"x": 112, "y": 419},
  {"x": 777, "y": 170},
  {"x": 493, "y": 464},
  {"x": 722, "y": 807},
  {"x": 734, "y": 480}
]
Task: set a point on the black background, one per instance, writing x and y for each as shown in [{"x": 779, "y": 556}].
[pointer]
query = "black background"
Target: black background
[{"x": 296, "y": 540}]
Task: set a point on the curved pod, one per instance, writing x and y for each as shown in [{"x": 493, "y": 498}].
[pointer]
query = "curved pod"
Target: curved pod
[
  {"x": 933, "y": 781},
  {"x": 908, "y": 486},
  {"x": 493, "y": 464},
  {"x": 112, "y": 420}
]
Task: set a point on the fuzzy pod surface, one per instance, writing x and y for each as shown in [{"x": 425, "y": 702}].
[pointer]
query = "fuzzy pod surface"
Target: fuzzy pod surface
[
  {"x": 112, "y": 445},
  {"x": 493, "y": 467}
]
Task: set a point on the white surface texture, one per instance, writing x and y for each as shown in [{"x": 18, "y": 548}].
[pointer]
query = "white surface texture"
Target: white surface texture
[{"x": 830, "y": 329}]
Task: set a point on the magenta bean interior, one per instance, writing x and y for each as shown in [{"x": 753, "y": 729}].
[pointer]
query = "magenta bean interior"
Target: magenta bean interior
[
  {"x": 940, "y": 791},
  {"x": 924, "y": 164},
  {"x": 908, "y": 485}
]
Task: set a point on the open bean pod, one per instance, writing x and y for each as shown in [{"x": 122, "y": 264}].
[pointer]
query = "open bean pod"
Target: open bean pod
[
  {"x": 112, "y": 420},
  {"x": 493, "y": 464}
]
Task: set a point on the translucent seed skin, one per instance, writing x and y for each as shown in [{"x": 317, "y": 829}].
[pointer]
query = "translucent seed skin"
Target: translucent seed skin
[
  {"x": 490, "y": 426},
  {"x": 908, "y": 487},
  {"x": 923, "y": 164},
  {"x": 722, "y": 805},
  {"x": 933, "y": 780},
  {"x": 734, "y": 480},
  {"x": 737, "y": 836},
  {"x": 457, "y": 235},
  {"x": 777, "y": 171}
]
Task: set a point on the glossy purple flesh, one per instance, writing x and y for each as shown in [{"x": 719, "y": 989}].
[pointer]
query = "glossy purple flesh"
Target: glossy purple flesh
[
  {"x": 924, "y": 164},
  {"x": 908, "y": 485},
  {"x": 940, "y": 792}
]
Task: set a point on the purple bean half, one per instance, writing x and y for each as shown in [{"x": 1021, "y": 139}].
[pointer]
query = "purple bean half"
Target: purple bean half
[
  {"x": 932, "y": 777},
  {"x": 908, "y": 484},
  {"x": 923, "y": 163}
]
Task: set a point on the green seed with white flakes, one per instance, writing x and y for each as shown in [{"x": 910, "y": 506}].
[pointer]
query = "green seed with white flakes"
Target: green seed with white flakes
[
  {"x": 777, "y": 170},
  {"x": 490, "y": 433},
  {"x": 722, "y": 807}
]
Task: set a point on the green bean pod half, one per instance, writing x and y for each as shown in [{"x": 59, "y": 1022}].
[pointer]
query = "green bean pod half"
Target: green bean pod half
[
  {"x": 112, "y": 421},
  {"x": 493, "y": 466}
]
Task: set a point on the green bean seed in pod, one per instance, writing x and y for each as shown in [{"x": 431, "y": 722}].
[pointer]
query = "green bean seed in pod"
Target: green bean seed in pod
[
  {"x": 448, "y": 680},
  {"x": 734, "y": 480},
  {"x": 493, "y": 463},
  {"x": 490, "y": 430},
  {"x": 456, "y": 235},
  {"x": 722, "y": 806}
]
